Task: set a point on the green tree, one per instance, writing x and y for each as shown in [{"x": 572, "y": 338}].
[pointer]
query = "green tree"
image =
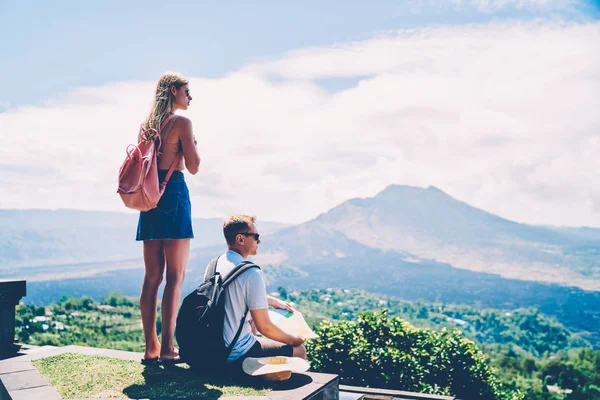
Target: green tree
[{"x": 529, "y": 366}]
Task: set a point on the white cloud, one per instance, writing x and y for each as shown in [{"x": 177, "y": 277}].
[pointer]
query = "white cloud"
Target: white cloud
[{"x": 501, "y": 115}]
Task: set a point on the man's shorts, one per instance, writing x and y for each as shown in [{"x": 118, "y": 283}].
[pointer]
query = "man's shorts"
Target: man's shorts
[{"x": 265, "y": 347}]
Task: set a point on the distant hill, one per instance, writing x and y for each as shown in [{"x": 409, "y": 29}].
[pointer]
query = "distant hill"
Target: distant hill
[
  {"x": 429, "y": 224},
  {"x": 417, "y": 223},
  {"x": 37, "y": 238}
]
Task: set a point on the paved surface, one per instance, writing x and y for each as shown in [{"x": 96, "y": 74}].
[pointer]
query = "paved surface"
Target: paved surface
[{"x": 20, "y": 380}]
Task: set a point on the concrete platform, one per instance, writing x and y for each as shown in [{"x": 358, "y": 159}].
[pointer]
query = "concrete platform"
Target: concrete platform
[{"x": 20, "y": 380}]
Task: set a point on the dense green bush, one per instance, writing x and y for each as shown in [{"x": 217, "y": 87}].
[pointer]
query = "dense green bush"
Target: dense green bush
[{"x": 381, "y": 351}]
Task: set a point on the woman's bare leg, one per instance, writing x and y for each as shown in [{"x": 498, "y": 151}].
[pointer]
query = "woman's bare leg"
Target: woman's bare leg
[
  {"x": 154, "y": 261},
  {"x": 177, "y": 253}
]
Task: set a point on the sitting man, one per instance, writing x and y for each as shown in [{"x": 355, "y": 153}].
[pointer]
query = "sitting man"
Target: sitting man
[{"x": 248, "y": 292}]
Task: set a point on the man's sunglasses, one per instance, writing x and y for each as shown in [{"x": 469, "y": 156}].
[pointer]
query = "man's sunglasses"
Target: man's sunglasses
[{"x": 255, "y": 235}]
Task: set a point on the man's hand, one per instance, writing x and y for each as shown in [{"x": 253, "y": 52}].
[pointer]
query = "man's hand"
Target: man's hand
[
  {"x": 277, "y": 303},
  {"x": 263, "y": 323},
  {"x": 298, "y": 340}
]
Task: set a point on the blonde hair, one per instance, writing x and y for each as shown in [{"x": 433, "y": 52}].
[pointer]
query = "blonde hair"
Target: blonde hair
[
  {"x": 236, "y": 224},
  {"x": 162, "y": 105}
]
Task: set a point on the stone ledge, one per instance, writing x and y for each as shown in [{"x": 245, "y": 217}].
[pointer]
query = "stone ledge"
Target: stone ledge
[
  {"x": 11, "y": 289},
  {"x": 11, "y": 292},
  {"x": 386, "y": 394}
]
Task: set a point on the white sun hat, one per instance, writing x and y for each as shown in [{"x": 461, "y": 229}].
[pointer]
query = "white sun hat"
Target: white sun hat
[{"x": 274, "y": 368}]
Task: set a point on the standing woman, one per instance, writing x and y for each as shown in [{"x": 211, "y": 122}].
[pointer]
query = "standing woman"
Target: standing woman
[{"x": 167, "y": 229}]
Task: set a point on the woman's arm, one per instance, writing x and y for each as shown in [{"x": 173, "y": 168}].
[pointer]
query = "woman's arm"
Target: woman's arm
[{"x": 188, "y": 145}]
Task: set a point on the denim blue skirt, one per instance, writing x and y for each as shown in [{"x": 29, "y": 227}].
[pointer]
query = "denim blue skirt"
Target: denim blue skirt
[{"x": 172, "y": 218}]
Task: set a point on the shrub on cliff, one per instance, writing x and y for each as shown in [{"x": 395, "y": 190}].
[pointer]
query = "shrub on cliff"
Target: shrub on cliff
[{"x": 381, "y": 351}]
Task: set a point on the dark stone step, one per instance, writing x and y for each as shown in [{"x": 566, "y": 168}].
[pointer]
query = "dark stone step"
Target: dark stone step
[{"x": 11, "y": 293}]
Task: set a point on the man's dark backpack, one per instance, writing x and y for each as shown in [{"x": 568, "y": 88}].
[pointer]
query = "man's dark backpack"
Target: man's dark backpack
[{"x": 199, "y": 330}]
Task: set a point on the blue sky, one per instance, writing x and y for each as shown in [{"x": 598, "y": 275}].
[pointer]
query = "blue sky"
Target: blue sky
[
  {"x": 494, "y": 102},
  {"x": 52, "y": 47}
]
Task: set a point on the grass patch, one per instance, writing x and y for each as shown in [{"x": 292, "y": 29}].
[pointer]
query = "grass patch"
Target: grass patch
[{"x": 84, "y": 376}]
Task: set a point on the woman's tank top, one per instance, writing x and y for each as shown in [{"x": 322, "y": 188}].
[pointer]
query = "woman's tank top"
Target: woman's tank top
[{"x": 169, "y": 150}]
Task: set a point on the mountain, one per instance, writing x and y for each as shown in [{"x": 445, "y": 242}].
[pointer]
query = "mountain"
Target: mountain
[
  {"x": 421, "y": 244},
  {"x": 430, "y": 224},
  {"x": 411, "y": 243},
  {"x": 415, "y": 222}
]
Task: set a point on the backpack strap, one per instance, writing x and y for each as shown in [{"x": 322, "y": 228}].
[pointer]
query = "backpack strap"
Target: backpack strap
[
  {"x": 166, "y": 121},
  {"x": 237, "y": 335},
  {"x": 157, "y": 136},
  {"x": 212, "y": 268},
  {"x": 237, "y": 271}
]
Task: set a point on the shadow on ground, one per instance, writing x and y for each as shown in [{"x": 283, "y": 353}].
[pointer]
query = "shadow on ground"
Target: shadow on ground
[{"x": 182, "y": 382}]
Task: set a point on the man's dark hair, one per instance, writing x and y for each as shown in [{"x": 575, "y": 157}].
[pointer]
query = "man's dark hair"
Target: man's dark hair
[{"x": 236, "y": 224}]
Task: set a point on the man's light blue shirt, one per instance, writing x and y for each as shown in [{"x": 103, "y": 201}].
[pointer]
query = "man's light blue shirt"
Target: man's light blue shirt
[{"x": 247, "y": 291}]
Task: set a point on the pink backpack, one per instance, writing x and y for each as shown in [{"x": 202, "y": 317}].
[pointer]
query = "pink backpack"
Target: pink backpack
[{"x": 138, "y": 177}]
